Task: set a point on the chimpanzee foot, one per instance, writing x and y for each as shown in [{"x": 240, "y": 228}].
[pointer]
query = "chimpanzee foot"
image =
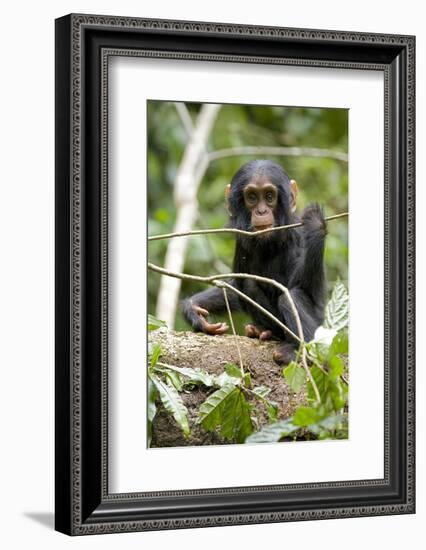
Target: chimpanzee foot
[
  {"x": 265, "y": 335},
  {"x": 283, "y": 354},
  {"x": 252, "y": 331}
]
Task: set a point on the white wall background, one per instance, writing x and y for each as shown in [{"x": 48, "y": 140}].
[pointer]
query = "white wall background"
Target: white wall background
[{"x": 26, "y": 289}]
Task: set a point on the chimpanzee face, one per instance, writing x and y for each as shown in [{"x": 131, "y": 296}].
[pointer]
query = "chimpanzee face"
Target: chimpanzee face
[{"x": 261, "y": 198}]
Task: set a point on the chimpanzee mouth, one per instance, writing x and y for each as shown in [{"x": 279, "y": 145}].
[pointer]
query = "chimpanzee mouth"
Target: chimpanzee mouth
[{"x": 262, "y": 227}]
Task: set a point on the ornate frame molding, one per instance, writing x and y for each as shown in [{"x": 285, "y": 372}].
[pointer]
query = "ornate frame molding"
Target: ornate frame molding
[{"x": 84, "y": 505}]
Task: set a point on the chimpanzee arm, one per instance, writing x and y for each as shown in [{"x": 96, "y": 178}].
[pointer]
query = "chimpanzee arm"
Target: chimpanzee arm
[
  {"x": 307, "y": 286},
  {"x": 197, "y": 308},
  {"x": 311, "y": 270}
]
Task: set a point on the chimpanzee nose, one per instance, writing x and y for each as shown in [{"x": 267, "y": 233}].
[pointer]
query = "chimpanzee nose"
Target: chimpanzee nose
[{"x": 262, "y": 211}]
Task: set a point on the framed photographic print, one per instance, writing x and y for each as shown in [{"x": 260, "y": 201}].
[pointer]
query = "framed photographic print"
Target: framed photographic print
[{"x": 234, "y": 274}]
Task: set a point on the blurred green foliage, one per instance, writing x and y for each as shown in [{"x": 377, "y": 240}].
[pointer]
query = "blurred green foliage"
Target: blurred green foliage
[{"x": 322, "y": 180}]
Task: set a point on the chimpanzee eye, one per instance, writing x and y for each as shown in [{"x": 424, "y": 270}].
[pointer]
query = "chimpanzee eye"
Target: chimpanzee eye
[
  {"x": 251, "y": 197},
  {"x": 269, "y": 196}
]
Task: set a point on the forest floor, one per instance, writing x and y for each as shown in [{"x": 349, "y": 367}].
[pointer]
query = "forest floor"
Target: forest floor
[{"x": 212, "y": 353}]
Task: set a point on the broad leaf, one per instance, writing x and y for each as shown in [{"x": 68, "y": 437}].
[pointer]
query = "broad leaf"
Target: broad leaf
[
  {"x": 317, "y": 351},
  {"x": 154, "y": 323},
  {"x": 295, "y": 376},
  {"x": 173, "y": 403},
  {"x": 233, "y": 371},
  {"x": 272, "y": 410},
  {"x": 236, "y": 423},
  {"x": 321, "y": 381},
  {"x": 340, "y": 343},
  {"x": 174, "y": 378},
  {"x": 332, "y": 389},
  {"x": 262, "y": 391},
  {"x": 155, "y": 354},
  {"x": 224, "y": 379},
  {"x": 305, "y": 416},
  {"x": 336, "y": 366},
  {"x": 274, "y": 432},
  {"x": 211, "y": 410},
  {"x": 196, "y": 376},
  {"x": 337, "y": 310}
]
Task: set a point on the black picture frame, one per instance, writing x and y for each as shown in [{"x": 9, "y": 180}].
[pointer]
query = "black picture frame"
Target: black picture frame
[{"x": 83, "y": 46}]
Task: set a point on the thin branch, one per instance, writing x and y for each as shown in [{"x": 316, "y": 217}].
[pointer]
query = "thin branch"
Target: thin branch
[
  {"x": 231, "y": 321},
  {"x": 277, "y": 151},
  {"x": 238, "y": 231}
]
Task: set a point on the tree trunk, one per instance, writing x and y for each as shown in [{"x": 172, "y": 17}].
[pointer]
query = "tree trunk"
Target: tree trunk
[
  {"x": 185, "y": 190},
  {"x": 212, "y": 353}
]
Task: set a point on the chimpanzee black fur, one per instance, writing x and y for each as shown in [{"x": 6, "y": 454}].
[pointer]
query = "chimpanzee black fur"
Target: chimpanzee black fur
[{"x": 293, "y": 257}]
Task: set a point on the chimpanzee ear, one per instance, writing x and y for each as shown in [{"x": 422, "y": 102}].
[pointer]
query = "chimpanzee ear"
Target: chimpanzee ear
[
  {"x": 227, "y": 193},
  {"x": 294, "y": 191}
]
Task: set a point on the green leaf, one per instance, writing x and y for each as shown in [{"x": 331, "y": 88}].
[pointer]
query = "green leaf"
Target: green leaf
[
  {"x": 224, "y": 380},
  {"x": 272, "y": 410},
  {"x": 317, "y": 351},
  {"x": 271, "y": 406},
  {"x": 233, "y": 371},
  {"x": 247, "y": 380},
  {"x": 339, "y": 394},
  {"x": 321, "y": 381},
  {"x": 336, "y": 366},
  {"x": 211, "y": 410},
  {"x": 227, "y": 407},
  {"x": 332, "y": 389},
  {"x": 337, "y": 309},
  {"x": 174, "y": 379},
  {"x": 154, "y": 323},
  {"x": 305, "y": 416},
  {"x": 340, "y": 343},
  {"x": 151, "y": 406},
  {"x": 273, "y": 432},
  {"x": 262, "y": 391},
  {"x": 173, "y": 403},
  {"x": 295, "y": 376},
  {"x": 155, "y": 354},
  {"x": 195, "y": 376},
  {"x": 236, "y": 421}
]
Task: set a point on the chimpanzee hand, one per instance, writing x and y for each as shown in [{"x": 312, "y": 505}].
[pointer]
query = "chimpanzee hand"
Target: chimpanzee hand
[
  {"x": 313, "y": 220},
  {"x": 201, "y": 323}
]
